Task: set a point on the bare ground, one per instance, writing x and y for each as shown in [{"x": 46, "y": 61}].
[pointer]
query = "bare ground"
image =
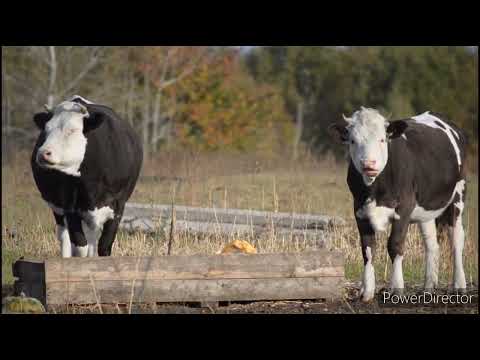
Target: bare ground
[{"x": 350, "y": 304}]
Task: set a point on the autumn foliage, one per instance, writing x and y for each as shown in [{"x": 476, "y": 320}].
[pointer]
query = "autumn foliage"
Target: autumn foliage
[{"x": 223, "y": 108}]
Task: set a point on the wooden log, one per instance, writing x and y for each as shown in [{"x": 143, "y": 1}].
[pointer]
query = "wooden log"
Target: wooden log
[
  {"x": 234, "y": 216},
  {"x": 186, "y": 267},
  {"x": 194, "y": 290},
  {"x": 203, "y": 278}
]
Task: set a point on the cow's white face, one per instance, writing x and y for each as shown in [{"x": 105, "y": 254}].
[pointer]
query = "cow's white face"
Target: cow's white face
[
  {"x": 367, "y": 134},
  {"x": 65, "y": 143},
  {"x": 368, "y": 143}
]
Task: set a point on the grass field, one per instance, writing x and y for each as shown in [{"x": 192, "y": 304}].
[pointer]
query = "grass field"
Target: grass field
[{"x": 233, "y": 181}]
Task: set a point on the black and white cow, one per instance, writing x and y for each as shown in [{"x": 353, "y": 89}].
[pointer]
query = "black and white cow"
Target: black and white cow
[
  {"x": 401, "y": 172},
  {"x": 85, "y": 163}
]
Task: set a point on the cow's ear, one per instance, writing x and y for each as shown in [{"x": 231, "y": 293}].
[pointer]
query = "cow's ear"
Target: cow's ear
[
  {"x": 396, "y": 128},
  {"x": 339, "y": 132},
  {"x": 93, "y": 120},
  {"x": 41, "y": 119}
]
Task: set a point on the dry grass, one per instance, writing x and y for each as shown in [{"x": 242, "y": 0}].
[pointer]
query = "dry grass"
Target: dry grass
[{"x": 233, "y": 181}]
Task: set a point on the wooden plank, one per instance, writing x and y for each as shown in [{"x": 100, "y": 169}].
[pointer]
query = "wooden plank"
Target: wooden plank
[
  {"x": 178, "y": 267},
  {"x": 233, "y": 216},
  {"x": 193, "y": 290}
]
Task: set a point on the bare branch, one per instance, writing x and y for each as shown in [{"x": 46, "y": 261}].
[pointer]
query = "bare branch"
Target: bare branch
[
  {"x": 21, "y": 83},
  {"x": 188, "y": 71},
  {"x": 89, "y": 66}
]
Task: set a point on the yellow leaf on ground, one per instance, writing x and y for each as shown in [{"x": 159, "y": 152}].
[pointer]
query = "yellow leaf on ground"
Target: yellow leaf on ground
[{"x": 239, "y": 246}]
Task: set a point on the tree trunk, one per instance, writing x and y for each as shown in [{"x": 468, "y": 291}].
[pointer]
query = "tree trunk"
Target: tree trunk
[
  {"x": 146, "y": 116},
  {"x": 298, "y": 128},
  {"x": 53, "y": 76},
  {"x": 156, "y": 121},
  {"x": 131, "y": 81}
]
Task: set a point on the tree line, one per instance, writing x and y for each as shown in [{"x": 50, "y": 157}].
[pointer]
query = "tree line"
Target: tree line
[
  {"x": 320, "y": 83},
  {"x": 269, "y": 99}
]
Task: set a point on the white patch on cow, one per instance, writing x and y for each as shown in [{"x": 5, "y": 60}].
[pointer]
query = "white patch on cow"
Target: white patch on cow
[
  {"x": 65, "y": 139},
  {"x": 64, "y": 239},
  {"x": 80, "y": 251},
  {"x": 396, "y": 281},
  {"x": 404, "y": 136},
  {"x": 368, "y": 141},
  {"x": 419, "y": 214},
  {"x": 92, "y": 235},
  {"x": 368, "y": 180},
  {"x": 429, "y": 120},
  {"x": 367, "y": 291},
  {"x": 75, "y": 97},
  {"x": 379, "y": 216},
  {"x": 429, "y": 235},
  {"x": 97, "y": 217},
  {"x": 92, "y": 224}
]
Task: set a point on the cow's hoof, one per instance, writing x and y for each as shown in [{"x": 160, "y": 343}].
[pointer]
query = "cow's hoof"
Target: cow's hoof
[
  {"x": 397, "y": 291},
  {"x": 367, "y": 296}
]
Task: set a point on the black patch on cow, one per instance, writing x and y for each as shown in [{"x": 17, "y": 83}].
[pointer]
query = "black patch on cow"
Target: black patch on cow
[
  {"x": 396, "y": 128},
  {"x": 451, "y": 213},
  {"x": 77, "y": 237},
  {"x": 339, "y": 132},
  {"x": 438, "y": 123},
  {"x": 59, "y": 219},
  {"x": 41, "y": 119}
]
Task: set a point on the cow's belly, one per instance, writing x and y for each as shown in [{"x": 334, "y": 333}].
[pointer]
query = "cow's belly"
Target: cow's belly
[
  {"x": 380, "y": 216},
  {"x": 94, "y": 219},
  {"x": 419, "y": 214}
]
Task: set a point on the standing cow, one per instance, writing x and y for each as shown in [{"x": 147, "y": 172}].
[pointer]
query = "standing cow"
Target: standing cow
[
  {"x": 85, "y": 163},
  {"x": 401, "y": 172}
]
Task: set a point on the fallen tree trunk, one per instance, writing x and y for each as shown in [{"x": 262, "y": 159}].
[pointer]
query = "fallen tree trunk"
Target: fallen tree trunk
[
  {"x": 315, "y": 238},
  {"x": 234, "y": 216}
]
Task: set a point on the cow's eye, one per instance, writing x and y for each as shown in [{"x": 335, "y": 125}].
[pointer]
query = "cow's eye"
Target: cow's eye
[
  {"x": 71, "y": 131},
  {"x": 352, "y": 142},
  {"x": 382, "y": 141}
]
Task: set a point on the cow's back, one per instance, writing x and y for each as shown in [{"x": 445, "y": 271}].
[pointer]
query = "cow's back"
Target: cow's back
[
  {"x": 438, "y": 159},
  {"x": 113, "y": 159}
]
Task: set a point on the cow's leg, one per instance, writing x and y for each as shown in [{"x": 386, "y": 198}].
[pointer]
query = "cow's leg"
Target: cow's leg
[
  {"x": 92, "y": 234},
  {"x": 457, "y": 239},
  {"x": 62, "y": 236},
  {"x": 79, "y": 243},
  {"x": 367, "y": 239},
  {"x": 396, "y": 243},
  {"x": 429, "y": 235},
  {"x": 110, "y": 228}
]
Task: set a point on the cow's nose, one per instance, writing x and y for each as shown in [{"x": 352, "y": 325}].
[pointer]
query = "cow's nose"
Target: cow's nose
[
  {"x": 369, "y": 163},
  {"x": 46, "y": 156}
]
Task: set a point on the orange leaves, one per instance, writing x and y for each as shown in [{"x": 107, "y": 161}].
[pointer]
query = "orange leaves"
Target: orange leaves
[
  {"x": 226, "y": 109},
  {"x": 217, "y": 104}
]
